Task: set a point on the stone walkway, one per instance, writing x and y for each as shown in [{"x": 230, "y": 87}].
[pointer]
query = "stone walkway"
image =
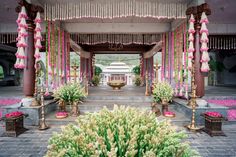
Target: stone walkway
[{"x": 33, "y": 143}]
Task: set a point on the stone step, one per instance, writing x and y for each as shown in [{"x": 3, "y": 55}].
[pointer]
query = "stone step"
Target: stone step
[{"x": 133, "y": 98}]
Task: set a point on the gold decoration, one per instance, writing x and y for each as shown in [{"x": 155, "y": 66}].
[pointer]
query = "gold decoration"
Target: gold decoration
[
  {"x": 147, "y": 92},
  {"x": 42, "y": 123}
]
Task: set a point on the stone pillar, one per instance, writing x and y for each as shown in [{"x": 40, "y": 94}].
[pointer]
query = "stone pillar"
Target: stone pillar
[
  {"x": 29, "y": 71},
  {"x": 199, "y": 78}
]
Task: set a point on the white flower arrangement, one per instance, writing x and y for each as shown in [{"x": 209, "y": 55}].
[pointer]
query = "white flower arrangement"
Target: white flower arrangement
[
  {"x": 71, "y": 92},
  {"x": 122, "y": 132},
  {"x": 162, "y": 91}
]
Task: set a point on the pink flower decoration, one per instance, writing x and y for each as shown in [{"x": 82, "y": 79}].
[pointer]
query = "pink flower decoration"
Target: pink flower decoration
[
  {"x": 61, "y": 114},
  {"x": 14, "y": 114},
  {"x": 169, "y": 113},
  {"x": 213, "y": 114}
]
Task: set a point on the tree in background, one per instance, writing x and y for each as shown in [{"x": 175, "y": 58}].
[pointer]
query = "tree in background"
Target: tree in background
[
  {"x": 137, "y": 79},
  {"x": 136, "y": 70},
  {"x": 96, "y": 78},
  {"x": 98, "y": 70}
]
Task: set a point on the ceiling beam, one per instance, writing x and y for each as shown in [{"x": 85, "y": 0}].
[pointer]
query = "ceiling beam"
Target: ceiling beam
[
  {"x": 78, "y": 50},
  {"x": 117, "y": 27},
  {"x": 153, "y": 51}
]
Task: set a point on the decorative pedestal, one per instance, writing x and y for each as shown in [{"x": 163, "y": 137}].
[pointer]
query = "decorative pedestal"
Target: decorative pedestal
[
  {"x": 155, "y": 109},
  {"x": 15, "y": 126},
  {"x": 213, "y": 125}
]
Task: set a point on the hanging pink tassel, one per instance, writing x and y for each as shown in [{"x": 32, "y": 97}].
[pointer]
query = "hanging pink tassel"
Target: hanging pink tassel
[
  {"x": 191, "y": 38},
  {"x": 23, "y": 12},
  {"x": 38, "y": 35},
  {"x": 204, "y": 18},
  {"x": 23, "y": 32},
  {"x": 204, "y": 47},
  {"x": 205, "y": 67},
  {"x": 173, "y": 74},
  {"x": 189, "y": 63},
  {"x": 38, "y": 44},
  {"x": 204, "y": 38},
  {"x": 205, "y": 57},
  {"x": 37, "y": 54},
  {"x": 204, "y": 28},
  {"x": 22, "y": 43},
  {"x": 190, "y": 55},
  {"x": 191, "y": 28},
  {"x": 37, "y": 19},
  {"x": 21, "y": 64},
  {"x": 191, "y": 20},
  {"x": 38, "y": 27},
  {"x": 20, "y": 53},
  {"x": 23, "y": 23},
  {"x": 16, "y": 65},
  {"x": 191, "y": 48}
]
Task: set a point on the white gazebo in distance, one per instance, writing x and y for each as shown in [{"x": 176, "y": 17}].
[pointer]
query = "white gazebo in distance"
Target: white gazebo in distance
[{"x": 117, "y": 71}]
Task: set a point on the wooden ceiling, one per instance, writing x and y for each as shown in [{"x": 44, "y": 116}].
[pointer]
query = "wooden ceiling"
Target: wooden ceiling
[{"x": 106, "y": 48}]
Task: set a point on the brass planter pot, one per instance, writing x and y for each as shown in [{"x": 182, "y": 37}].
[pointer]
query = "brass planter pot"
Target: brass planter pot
[
  {"x": 164, "y": 106},
  {"x": 75, "y": 109},
  {"x": 116, "y": 84}
]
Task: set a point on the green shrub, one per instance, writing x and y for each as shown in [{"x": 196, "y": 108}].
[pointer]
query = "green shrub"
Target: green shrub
[
  {"x": 137, "y": 80},
  {"x": 119, "y": 133},
  {"x": 96, "y": 80},
  {"x": 98, "y": 70},
  {"x": 162, "y": 90},
  {"x": 136, "y": 70},
  {"x": 71, "y": 92}
]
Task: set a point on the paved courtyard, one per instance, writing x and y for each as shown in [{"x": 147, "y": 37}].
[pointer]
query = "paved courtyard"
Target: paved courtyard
[{"x": 33, "y": 143}]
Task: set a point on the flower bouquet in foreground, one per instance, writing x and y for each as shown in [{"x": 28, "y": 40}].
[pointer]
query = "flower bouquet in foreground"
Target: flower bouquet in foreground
[{"x": 120, "y": 132}]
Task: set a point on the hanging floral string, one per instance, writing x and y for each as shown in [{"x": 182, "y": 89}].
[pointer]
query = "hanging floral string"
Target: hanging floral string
[
  {"x": 191, "y": 49},
  {"x": 204, "y": 40},
  {"x": 63, "y": 57},
  {"x": 47, "y": 49},
  {"x": 181, "y": 60},
  {"x": 37, "y": 38},
  {"x": 163, "y": 57},
  {"x": 166, "y": 56},
  {"x": 21, "y": 41},
  {"x": 186, "y": 62}
]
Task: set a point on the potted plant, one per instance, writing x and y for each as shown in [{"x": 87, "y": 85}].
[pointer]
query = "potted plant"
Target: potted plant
[
  {"x": 72, "y": 94},
  {"x": 137, "y": 80},
  {"x": 96, "y": 80},
  {"x": 162, "y": 93},
  {"x": 213, "y": 123},
  {"x": 14, "y": 123},
  {"x": 215, "y": 66}
]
